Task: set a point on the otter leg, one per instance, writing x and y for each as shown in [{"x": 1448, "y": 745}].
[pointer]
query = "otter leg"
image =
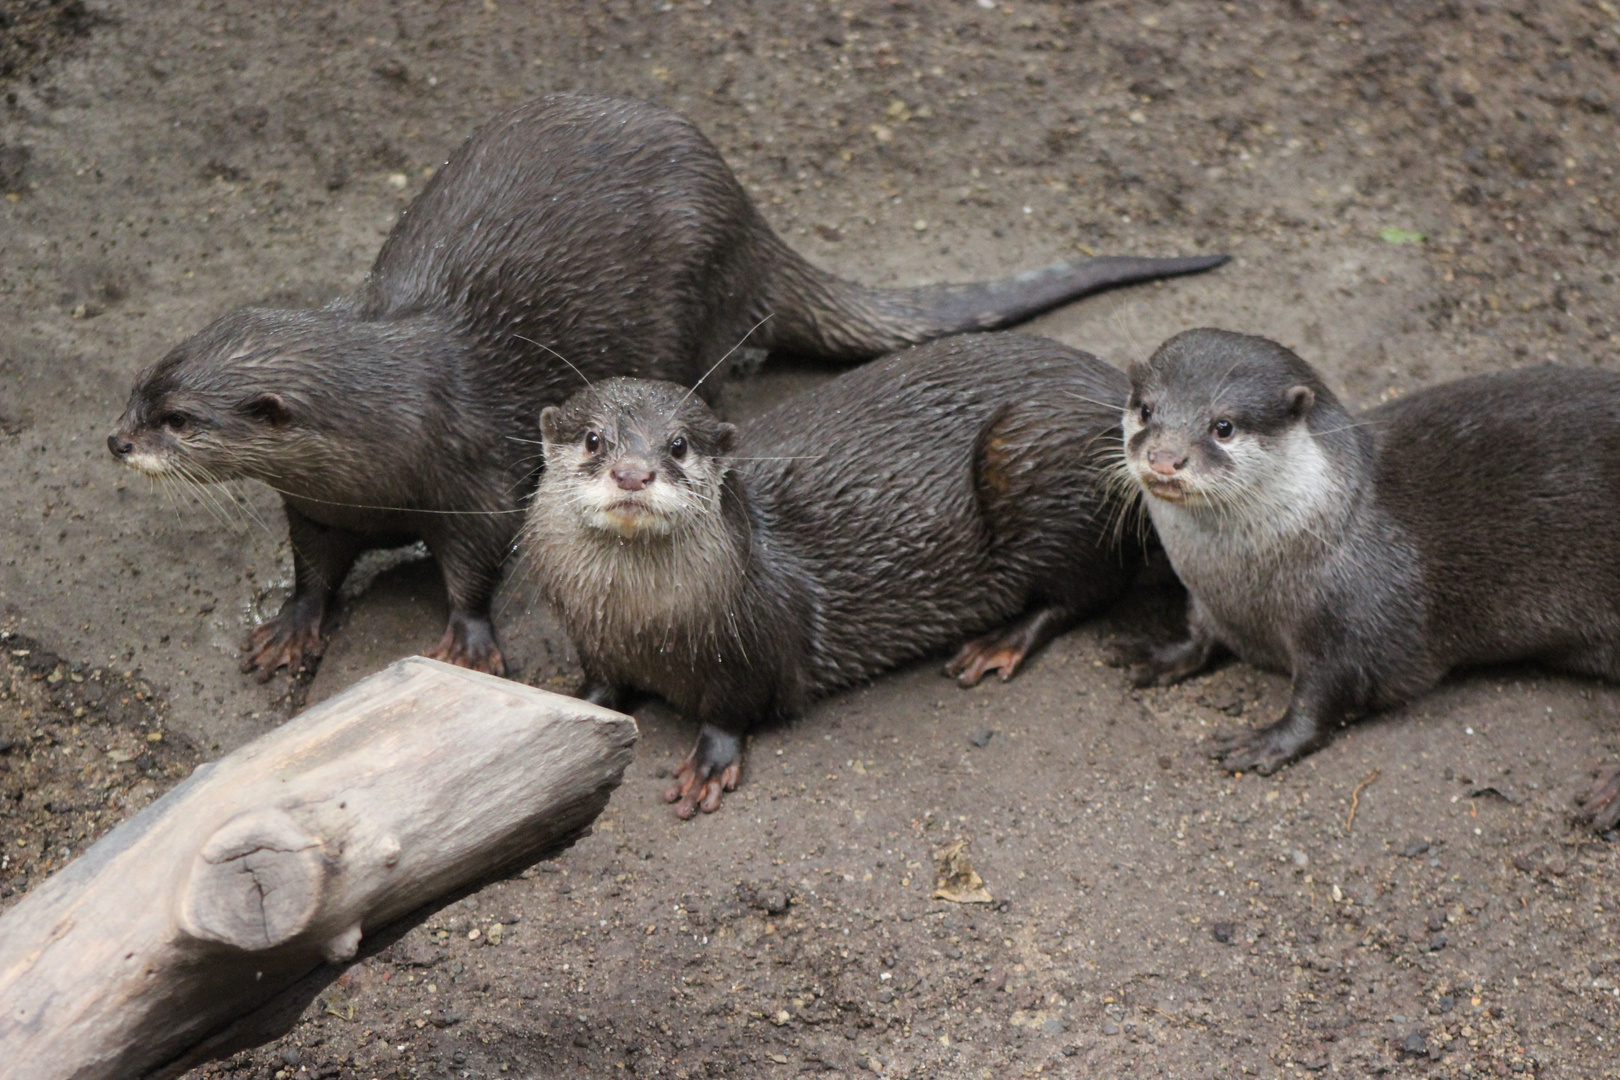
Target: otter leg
[
  {"x": 1601, "y": 806},
  {"x": 1005, "y": 650},
  {"x": 1164, "y": 665},
  {"x": 714, "y": 766},
  {"x": 1315, "y": 707},
  {"x": 322, "y": 556},
  {"x": 471, "y": 565}
]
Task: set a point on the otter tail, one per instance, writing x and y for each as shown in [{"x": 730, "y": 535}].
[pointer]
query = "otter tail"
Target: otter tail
[{"x": 819, "y": 315}]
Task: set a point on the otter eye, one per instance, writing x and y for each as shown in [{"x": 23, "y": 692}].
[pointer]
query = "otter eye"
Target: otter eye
[
  {"x": 1146, "y": 413},
  {"x": 677, "y": 447},
  {"x": 176, "y": 421},
  {"x": 593, "y": 442},
  {"x": 1223, "y": 429}
]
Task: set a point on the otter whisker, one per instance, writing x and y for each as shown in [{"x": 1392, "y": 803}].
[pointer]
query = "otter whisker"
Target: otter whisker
[
  {"x": 720, "y": 361},
  {"x": 1111, "y": 406},
  {"x": 202, "y": 496},
  {"x": 301, "y": 497},
  {"x": 557, "y": 354}
]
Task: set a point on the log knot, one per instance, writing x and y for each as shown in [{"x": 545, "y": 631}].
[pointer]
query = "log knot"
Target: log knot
[{"x": 256, "y": 883}]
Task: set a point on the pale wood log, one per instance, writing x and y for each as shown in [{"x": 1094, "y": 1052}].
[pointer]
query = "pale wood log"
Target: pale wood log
[{"x": 207, "y": 922}]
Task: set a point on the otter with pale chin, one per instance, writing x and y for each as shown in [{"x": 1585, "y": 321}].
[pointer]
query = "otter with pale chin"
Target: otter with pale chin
[
  {"x": 953, "y": 490},
  {"x": 1475, "y": 522}
]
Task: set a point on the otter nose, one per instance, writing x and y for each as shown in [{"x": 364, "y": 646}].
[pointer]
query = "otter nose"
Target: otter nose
[
  {"x": 1166, "y": 462},
  {"x": 632, "y": 477},
  {"x": 119, "y": 445}
]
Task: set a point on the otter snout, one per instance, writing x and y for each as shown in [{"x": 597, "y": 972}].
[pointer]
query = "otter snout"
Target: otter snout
[
  {"x": 632, "y": 477},
  {"x": 120, "y": 445}
]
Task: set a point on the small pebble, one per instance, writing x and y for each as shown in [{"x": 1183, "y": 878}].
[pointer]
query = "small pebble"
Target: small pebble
[{"x": 981, "y": 737}]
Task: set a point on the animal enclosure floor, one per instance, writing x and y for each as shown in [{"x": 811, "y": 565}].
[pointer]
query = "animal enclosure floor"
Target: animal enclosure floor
[{"x": 1412, "y": 193}]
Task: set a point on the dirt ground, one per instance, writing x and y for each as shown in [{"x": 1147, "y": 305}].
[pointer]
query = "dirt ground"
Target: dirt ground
[{"x": 1412, "y": 192}]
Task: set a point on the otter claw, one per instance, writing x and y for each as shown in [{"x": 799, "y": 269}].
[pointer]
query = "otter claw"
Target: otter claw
[
  {"x": 280, "y": 643},
  {"x": 691, "y": 794},
  {"x": 980, "y": 657},
  {"x": 470, "y": 649},
  {"x": 697, "y": 786},
  {"x": 1251, "y": 750}
]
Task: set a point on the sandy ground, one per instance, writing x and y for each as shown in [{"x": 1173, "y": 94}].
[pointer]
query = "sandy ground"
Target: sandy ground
[{"x": 1412, "y": 192}]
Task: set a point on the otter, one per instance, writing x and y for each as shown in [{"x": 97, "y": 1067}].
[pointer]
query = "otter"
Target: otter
[
  {"x": 951, "y": 490},
  {"x": 1473, "y": 522},
  {"x": 569, "y": 239}
]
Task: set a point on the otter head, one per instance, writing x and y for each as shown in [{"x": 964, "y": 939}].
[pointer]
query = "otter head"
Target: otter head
[
  {"x": 227, "y": 402},
  {"x": 634, "y": 458},
  {"x": 1222, "y": 420}
]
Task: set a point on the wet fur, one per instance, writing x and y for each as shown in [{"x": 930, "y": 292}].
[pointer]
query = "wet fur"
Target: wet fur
[
  {"x": 1469, "y": 523},
  {"x": 570, "y": 238},
  {"x": 880, "y": 518}
]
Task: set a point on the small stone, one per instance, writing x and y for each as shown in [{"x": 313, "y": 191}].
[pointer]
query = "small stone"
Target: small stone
[
  {"x": 981, "y": 737},
  {"x": 1223, "y": 932},
  {"x": 1415, "y": 848},
  {"x": 767, "y": 898},
  {"x": 1415, "y": 1043},
  {"x": 290, "y": 1056},
  {"x": 495, "y": 933},
  {"x": 1053, "y": 1026},
  {"x": 398, "y": 180},
  {"x": 1110, "y": 1029},
  {"x": 1447, "y": 1003},
  {"x": 1437, "y": 943},
  {"x": 830, "y": 233}
]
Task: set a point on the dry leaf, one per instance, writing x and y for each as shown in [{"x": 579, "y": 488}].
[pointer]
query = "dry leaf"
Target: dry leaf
[{"x": 955, "y": 879}]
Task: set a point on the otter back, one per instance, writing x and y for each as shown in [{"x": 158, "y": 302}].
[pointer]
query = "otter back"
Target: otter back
[{"x": 569, "y": 239}]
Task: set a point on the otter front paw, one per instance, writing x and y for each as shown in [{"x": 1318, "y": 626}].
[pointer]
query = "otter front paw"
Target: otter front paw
[
  {"x": 714, "y": 766},
  {"x": 1262, "y": 750},
  {"x": 470, "y": 643},
  {"x": 283, "y": 642},
  {"x": 1601, "y": 807}
]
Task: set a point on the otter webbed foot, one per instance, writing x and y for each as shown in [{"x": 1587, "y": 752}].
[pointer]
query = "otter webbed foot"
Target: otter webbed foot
[
  {"x": 1265, "y": 750},
  {"x": 290, "y": 640},
  {"x": 714, "y": 766},
  {"x": 1005, "y": 650},
  {"x": 1601, "y": 806},
  {"x": 469, "y": 642}
]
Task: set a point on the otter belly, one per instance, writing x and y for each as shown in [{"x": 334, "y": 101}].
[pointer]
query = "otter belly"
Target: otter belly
[{"x": 1241, "y": 592}]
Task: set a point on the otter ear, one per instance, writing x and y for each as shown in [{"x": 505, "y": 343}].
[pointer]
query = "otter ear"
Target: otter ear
[
  {"x": 1300, "y": 399},
  {"x": 270, "y": 408},
  {"x": 550, "y": 418},
  {"x": 725, "y": 437}
]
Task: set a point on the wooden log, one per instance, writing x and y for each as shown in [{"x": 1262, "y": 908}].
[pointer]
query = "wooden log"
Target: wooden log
[{"x": 206, "y": 923}]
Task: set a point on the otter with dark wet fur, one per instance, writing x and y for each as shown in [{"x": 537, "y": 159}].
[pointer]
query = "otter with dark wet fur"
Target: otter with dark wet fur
[
  {"x": 950, "y": 490},
  {"x": 1475, "y": 522},
  {"x": 569, "y": 238}
]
